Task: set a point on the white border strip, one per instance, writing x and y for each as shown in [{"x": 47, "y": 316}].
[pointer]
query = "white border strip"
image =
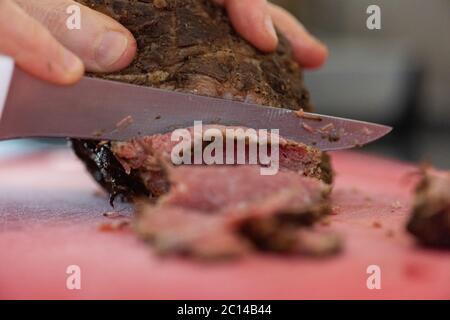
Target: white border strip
[{"x": 6, "y": 72}]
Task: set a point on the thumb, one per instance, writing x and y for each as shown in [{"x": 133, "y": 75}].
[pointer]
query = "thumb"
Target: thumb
[
  {"x": 102, "y": 43},
  {"x": 34, "y": 49}
]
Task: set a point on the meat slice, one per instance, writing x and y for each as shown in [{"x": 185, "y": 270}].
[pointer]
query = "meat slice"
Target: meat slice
[
  {"x": 137, "y": 167},
  {"x": 243, "y": 188},
  {"x": 176, "y": 230},
  {"x": 148, "y": 158},
  {"x": 238, "y": 211},
  {"x": 223, "y": 211},
  {"x": 430, "y": 219}
]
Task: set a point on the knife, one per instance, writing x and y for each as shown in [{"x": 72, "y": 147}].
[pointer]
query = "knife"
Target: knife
[{"x": 108, "y": 110}]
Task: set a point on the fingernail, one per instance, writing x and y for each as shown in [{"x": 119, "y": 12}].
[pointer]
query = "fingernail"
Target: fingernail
[
  {"x": 112, "y": 46},
  {"x": 72, "y": 64},
  {"x": 269, "y": 26}
]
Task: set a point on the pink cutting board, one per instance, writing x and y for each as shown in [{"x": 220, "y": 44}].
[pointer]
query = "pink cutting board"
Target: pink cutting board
[{"x": 50, "y": 215}]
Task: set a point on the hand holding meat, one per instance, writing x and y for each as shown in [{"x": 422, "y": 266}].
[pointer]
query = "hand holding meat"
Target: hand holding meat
[{"x": 34, "y": 33}]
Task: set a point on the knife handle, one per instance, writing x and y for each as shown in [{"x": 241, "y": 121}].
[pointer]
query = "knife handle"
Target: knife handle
[{"x": 6, "y": 72}]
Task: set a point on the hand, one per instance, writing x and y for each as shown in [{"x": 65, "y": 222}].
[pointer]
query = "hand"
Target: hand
[
  {"x": 255, "y": 20},
  {"x": 34, "y": 34}
]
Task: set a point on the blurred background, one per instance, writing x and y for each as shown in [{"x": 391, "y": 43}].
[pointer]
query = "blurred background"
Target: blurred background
[{"x": 399, "y": 75}]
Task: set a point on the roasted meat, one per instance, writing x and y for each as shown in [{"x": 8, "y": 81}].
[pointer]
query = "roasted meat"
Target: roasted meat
[
  {"x": 236, "y": 212},
  {"x": 190, "y": 46},
  {"x": 220, "y": 210},
  {"x": 138, "y": 167},
  {"x": 430, "y": 219}
]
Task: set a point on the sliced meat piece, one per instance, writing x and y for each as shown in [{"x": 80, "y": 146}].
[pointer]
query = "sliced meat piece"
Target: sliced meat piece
[
  {"x": 148, "y": 158},
  {"x": 281, "y": 236},
  {"x": 236, "y": 189},
  {"x": 175, "y": 230},
  {"x": 238, "y": 210},
  {"x": 430, "y": 219}
]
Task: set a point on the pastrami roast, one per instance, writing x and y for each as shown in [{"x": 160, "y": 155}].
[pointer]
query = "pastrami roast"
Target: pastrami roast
[
  {"x": 219, "y": 210},
  {"x": 138, "y": 167},
  {"x": 190, "y": 46}
]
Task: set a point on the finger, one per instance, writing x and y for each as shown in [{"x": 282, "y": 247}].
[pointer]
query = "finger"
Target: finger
[
  {"x": 308, "y": 51},
  {"x": 253, "y": 21},
  {"x": 33, "y": 47},
  {"x": 102, "y": 43}
]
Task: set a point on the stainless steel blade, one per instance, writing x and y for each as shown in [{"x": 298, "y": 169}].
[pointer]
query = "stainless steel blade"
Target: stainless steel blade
[{"x": 106, "y": 110}]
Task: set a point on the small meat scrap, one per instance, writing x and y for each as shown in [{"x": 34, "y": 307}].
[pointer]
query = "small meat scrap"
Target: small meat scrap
[
  {"x": 376, "y": 225},
  {"x": 327, "y": 128},
  {"x": 396, "y": 205},
  {"x": 390, "y": 233},
  {"x": 325, "y": 222},
  {"x": 124, "y": 123},
  {"x": 430, "y": 217},
  {"x": 330, "y": 133},
  {"x": 114, "y": 226},
  {"x": 318, "y": 244},
  {"x": 301, "y": 114},
  {"x": 112, "y": 214},
  {"x": 335, "y": 210},
  {"x": 99, "y": 133},
  {"x": 367, "y": 131},
  {"x": 333, "y": 137},
  {"x": 308, "y": 128}
]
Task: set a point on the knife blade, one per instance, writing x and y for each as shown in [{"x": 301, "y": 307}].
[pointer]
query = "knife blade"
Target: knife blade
[{"x": 108, "y": 110}]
